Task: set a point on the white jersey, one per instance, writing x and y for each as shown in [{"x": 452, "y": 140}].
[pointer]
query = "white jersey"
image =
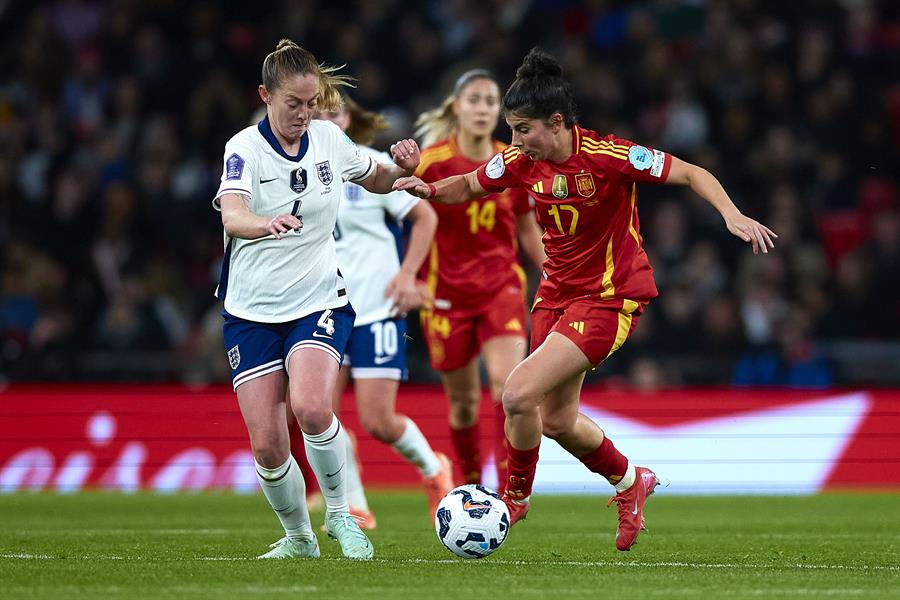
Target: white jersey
[
  {"x": 271, "y": 280},
  {"x": 368, "y": 244}
]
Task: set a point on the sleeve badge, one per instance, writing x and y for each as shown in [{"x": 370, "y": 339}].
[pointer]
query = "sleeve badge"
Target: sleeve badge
[
  {"x": 640, "y": 158},
  {"x": 496, "y": 167},
  {"x": 234, "y": 167}
]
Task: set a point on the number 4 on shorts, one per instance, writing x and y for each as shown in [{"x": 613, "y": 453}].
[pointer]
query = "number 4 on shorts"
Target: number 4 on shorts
[{"x": 326, "y": 322}]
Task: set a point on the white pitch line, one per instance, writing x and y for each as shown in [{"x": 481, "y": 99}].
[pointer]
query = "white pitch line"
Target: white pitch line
[
  {"x": 144, "y": 532},
  {"x": 451, "y": 561}
]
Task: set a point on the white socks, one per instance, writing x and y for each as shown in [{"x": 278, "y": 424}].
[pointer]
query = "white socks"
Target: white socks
[
  {"x": 286, "y": 492},
  {"x": 356, "y": 495},
  {"x": 327, "y": 455},
  {"x": 627, "y": 479},
  {"x": 413, "y": 446}
]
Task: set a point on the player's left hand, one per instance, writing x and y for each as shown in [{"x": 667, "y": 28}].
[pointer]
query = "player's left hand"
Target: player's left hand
[
  {"x": 406, "y": 155},
  {"x": 750, "y": 230},
  {"x": 402, "y": 290}
]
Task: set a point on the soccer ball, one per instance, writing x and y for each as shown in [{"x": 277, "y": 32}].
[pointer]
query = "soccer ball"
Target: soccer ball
[{"x": 472, "y": 521}]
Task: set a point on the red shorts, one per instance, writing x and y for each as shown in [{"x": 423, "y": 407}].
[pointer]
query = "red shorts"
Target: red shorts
[
  {"x": 455, "y": 337},
  {"x": 598, "y": 331}
]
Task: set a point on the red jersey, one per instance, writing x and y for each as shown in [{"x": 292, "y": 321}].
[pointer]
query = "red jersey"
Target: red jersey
[
  {"x": 587, "y": 206},
  {"x": 475, "y": 250}
]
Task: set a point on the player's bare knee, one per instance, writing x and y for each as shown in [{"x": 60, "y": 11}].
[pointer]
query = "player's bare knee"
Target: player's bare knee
[
  {"x": 517, "y": 400},
  {"x": 314, "y": 419},
  {"x": 466, "y": 413},
  {"x": 268, "y": 453},
  {"x": 464, "y": 405},
  {"x": 376, "y": 426}
]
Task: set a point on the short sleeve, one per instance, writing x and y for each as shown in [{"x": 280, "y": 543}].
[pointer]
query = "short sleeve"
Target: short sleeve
[
  {"x": 352, "y": 163},
  {"x": 506, "y": 169},
  {"x": 636, "y": 162},
  {"x": 238, "y": 167}
]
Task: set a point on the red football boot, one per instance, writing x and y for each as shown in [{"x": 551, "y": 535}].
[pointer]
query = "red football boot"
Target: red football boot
[
  {"x": 517, "y": 509},
  {"x": 631, "y": 507}
]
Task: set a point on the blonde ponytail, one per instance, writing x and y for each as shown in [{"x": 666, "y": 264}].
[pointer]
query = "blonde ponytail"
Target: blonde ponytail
[
  {"x": 364, "y": 124},
  {"x": 438, "y": 123},
  {"x": 290, "y": 59}
]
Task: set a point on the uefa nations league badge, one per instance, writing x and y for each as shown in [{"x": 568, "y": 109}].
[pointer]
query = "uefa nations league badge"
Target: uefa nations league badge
[{"x": 640, "y": 158}]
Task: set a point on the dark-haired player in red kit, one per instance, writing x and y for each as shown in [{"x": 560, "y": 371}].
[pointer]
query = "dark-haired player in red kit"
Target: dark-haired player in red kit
[{"x": 596, "y": 281}]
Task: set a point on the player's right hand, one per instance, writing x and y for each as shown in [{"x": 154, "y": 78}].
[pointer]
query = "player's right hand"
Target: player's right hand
[
  {"x": 281, "y": 224},
  {"x": 413, "y": 185}
]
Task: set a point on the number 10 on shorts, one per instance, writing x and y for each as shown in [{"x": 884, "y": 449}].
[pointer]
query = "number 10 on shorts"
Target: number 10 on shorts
[{"x": 384, "y": 333}]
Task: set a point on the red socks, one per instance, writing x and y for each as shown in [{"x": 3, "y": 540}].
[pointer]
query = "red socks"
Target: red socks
[
  {"x": 466, "y": 443},
  {"x": 521, "y": 465},
  {"x": 500, "y": 444},
  {"x": 606, "y": 461}
]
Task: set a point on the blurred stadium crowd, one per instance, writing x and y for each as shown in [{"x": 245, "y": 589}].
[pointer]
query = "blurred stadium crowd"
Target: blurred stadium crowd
[{"x": 113, "y": 118}]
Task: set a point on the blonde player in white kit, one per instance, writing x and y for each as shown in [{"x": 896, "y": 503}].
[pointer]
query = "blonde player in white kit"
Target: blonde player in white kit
[
  {"x": 382, "y": 289},
  {"x": 286, "y": 309}
]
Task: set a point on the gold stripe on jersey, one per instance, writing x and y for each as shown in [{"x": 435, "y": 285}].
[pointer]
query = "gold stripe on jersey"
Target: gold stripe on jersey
[
  {"x": 604, "y": 148},
  {"x": 511, "y": 154},
  {"x": 432, "y": 279},
  {"x": 606, "y": 152},
  {"x": 538, "y": 187},
  {"x": 631, "y": 228},
  {"x": 619, "y": 147},
  {"x": 434, "y": 155},
  {"x": 609, "y": 290},
  {"x": 520, "y": 273}
]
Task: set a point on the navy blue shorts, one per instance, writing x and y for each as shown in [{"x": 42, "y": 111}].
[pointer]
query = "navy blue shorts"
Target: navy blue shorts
[
  {"x": 257, "y": 349},
  {"x": 378, "y": 350}
]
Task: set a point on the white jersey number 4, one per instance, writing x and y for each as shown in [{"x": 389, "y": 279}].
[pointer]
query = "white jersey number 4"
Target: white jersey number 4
[{"x": 326, "y": 323}]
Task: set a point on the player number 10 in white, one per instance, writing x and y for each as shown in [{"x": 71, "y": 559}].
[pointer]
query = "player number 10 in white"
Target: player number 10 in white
[{"x": 385, "y": 335}]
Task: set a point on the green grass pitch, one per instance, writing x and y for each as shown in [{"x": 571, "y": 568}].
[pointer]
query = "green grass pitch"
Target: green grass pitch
[{"x": 202, "y": 546}]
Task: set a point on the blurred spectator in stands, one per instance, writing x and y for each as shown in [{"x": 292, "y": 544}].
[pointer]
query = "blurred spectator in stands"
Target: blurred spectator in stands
[{"x": 793, "y": 360}]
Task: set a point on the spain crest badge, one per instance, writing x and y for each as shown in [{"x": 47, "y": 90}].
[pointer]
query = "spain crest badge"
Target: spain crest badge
[{"x": 584, "y": 183}]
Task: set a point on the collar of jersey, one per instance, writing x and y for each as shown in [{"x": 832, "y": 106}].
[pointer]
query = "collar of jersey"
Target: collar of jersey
[{"x": 266, "y": 131}]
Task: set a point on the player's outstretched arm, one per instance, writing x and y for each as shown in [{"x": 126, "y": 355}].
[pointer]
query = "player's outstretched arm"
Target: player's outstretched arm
[
  {"x": 406, "y": 157},
  {"x": 452, "y": 190},
  {"x": 239, "y": 222},
  {"x": 403, "y": 288},
  {"x": 705, "y": 185}
]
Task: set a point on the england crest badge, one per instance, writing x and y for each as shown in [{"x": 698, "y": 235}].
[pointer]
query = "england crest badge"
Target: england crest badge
[
  {"x": 234, "y": 357},
  {"x": 323, "y": 170}
]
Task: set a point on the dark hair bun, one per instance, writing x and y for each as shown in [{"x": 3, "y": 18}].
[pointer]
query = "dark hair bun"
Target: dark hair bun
[{"x": 539, "y": 64}]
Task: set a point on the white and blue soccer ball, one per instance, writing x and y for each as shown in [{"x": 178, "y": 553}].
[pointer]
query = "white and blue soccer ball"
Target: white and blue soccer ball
[{"x": 472, "y": 521}]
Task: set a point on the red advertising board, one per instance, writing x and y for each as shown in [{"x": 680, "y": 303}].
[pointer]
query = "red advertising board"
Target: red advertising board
[{"x": 170, "y": 438}]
